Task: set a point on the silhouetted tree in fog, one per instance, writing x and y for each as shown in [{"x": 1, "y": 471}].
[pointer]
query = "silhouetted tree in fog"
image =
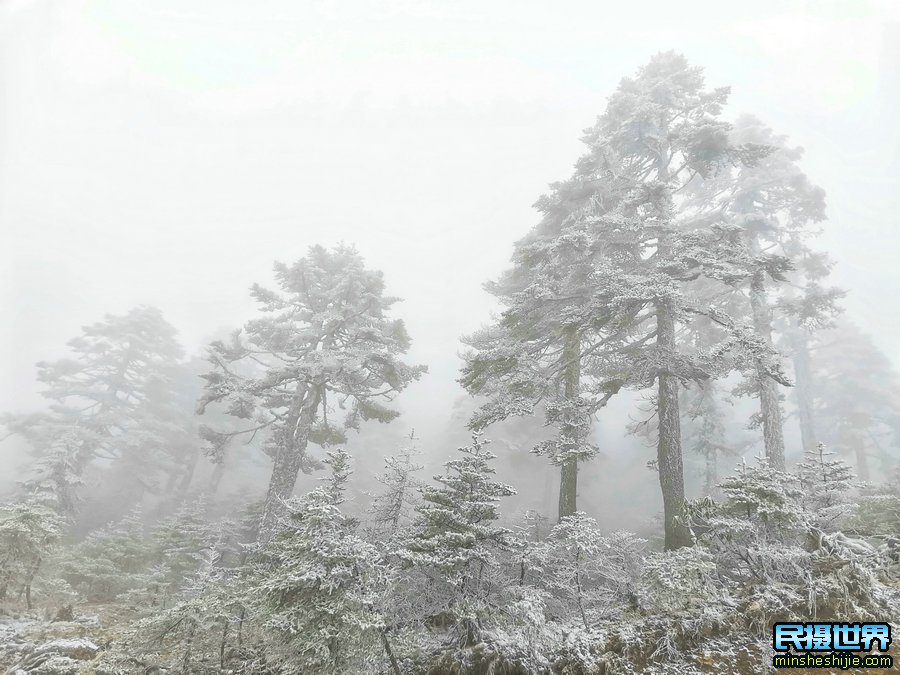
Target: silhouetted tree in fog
[{"x": 113, "y": 408}]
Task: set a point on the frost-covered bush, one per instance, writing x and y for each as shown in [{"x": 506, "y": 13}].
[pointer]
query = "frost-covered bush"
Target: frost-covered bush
[
  {"x": 677, "y": 581},
  {"x": 753, "y": 534},
  {"x": 587, "y": 576}
]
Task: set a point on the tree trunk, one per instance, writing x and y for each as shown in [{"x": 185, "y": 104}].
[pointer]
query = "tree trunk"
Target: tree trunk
[
  {"x": 669, "y": 457},
  {"x": 568, "y": 486},
  {"x": 288, "y": 460},
  {"x": 711, "y": 470},
  {"x": 186, "y": 661},
  {"x": 215, "y": 477},
  {"x": 32, "y": 573},
  {"x": 862, "y": 460},
  {"x": 395, "y": 667},
  {"x": 170, "y": 482},
  {"x": 570, "y": 432},
  {"x": 773, "y": 429},
  {"x": 240, "y": 635},
  {"x": 668, "y": 451},
  {"x": 769, "y": 401},
  {"x": 187, "y": 475},
  {"x": 803, "y": 388},
  {"x": 223, "y": 644}
]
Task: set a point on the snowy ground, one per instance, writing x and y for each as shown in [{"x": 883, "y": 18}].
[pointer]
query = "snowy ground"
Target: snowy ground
[{"x": 29, "y": 644}]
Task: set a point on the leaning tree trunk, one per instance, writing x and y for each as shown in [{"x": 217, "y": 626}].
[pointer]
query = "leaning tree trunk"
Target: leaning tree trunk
[
  {"x": 769, "y": 398},
  {"x": 669, "y": 459},
  {"x": 32, "y": 573},
  {"x": 570, "y": 432},
  {"x": 288, "y": 460},
  {"x": 215, "y": 478},
  {"x": 803, "y": 388},
  {"x": 187, "y": 474}
]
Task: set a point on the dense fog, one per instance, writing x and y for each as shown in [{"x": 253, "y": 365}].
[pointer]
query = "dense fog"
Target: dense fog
[{"x": 445, "y": 338}]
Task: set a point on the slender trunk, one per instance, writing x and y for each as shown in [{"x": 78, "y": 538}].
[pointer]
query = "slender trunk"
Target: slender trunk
[
  {"x": 711, "y": 471},
  {"x": 862, "y": 460},
  {"x": 570, "y": 432},
  {"x": 390, "y": 653},
  {"x": 803, "y": 388},
  {"x": 187, "y": 475},
  {"x": 578, "y": 589},
  {"x": 240, "y": 635},
  {"x": 216, "y": 477},
  {"x": 170, "y": 482},
  {"x": 709, "y": 434},
  {"x": 669, "y": 455},
  {"x": 769, "y": 399},
  {"x": 288, "y": 460},
  {"x": 188, "y": 648},
  {"x": 223, "y": 644},
  {"x": 32, "y": 573}
]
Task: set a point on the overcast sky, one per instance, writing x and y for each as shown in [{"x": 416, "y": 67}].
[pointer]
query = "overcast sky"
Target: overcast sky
[{"x": 165, "y": 152}]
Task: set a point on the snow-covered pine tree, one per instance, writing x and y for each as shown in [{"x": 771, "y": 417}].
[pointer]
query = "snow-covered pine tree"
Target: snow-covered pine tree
[
  {"x": 456, "y": 538},
  {"x": 636, "y": 242},
  {"x": 828, "y": 486},
  {"x": 544, "y": 351},
  {"x": 597, "y": 289},
  {"x": 111, "y": 401},
  {"x": 319, "y": 591},
  {"x": 325, "y": 347},
  {"x": 28, "y": 531},
  {"x": 392, "y": 509}
]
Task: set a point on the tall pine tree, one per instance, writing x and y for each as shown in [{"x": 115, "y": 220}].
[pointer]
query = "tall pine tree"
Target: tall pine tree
[{"x": 327, "y": 357}]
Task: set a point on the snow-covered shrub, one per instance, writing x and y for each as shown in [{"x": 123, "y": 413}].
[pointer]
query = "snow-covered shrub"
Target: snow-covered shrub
[
  {"x": 682, "y": 580},
  {"x": 586, "y": 575}
]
